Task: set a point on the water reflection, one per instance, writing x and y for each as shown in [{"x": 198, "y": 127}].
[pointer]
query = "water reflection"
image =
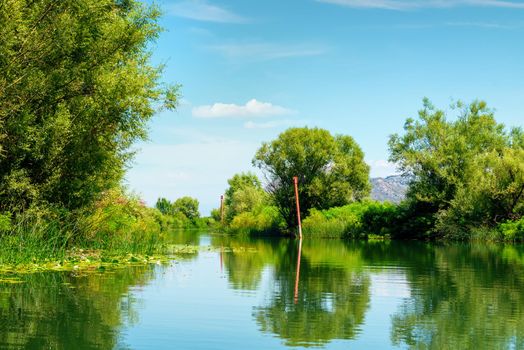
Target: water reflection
[
  {"x": 328, "y": 301},
  {"x": 462, "y": 296},
  {"x": 297, "y": 273},
  {"x": 468, "y": 297},
  {"x": 64, "y": 311},
  {"x": 322, "y": 293}
]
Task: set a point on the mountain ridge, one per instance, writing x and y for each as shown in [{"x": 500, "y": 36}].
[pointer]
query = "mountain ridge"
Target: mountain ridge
[{"x": 390, "y": 188}]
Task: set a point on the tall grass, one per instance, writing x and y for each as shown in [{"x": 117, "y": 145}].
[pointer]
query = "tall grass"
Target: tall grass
[
  {"x": 35, "y": 240},
  {"x": 356, "y": 220},
  {"x": 116, "y": 224}
]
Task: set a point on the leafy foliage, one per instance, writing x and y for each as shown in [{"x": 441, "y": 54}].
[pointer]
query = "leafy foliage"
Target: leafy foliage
[
  {"x": 356, "y": 220},
  {"x": 247, "y": 207},
  {"x": 244, "y": 194},
  {"x": 164, "y": 206},
  {"x": 188, "y": 207},
  {"x": 76, "y": 90},
  {"x": 513, "y": 230},
  {"x": 466, "y": 173},
  {"x": 263, "y": 220},
  {"x": 182, "y": 213},
  {"x": 331, "y": 170}
]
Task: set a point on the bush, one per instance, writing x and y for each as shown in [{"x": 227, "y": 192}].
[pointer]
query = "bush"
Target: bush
[
  {"x": 379, "y": 218},
  {"x": 334, "y": 223},
  {"x": 264, "y": 220},
  {"x": 352, "y": 221},
  {"x": 119, "y": 222},
  {"x": 5, "y": 222},
  {"x": 512, "y": 230}
]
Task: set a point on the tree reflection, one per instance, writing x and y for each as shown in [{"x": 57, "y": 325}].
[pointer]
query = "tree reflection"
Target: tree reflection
[
  {"x": 469, "y": 297},
  {"x": 245, "y": 258},
  {"x": 61, "y": 311},
  {"x": 333, "y": 293},
  {"x": 462, "y": 296}
]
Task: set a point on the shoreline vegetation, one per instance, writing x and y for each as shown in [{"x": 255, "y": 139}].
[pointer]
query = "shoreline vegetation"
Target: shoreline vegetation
[
  {"x": 465, "y": 174},
  {"x": 77, "y": 90}
]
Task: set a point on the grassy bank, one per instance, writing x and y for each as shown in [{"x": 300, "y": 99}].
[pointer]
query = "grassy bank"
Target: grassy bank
[
  {"x": 371, "y": 220},
  {"x": 118, "y": 228}
]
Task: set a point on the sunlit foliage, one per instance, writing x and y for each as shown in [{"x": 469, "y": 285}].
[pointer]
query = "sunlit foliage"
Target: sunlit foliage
[
  {"x": 331, "y": 170},
  {"x": 467, "y": 172}
]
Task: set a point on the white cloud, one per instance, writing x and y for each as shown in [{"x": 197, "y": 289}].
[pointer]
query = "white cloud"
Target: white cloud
[
  {"x": 417, "y": 4},
  {"x": 273, "y": 124},
  {"x": 267, "y": 51},
  {"x": 382, "y": 168},
  {"x": 252, "y": 108},
  {"x": 200, "y": 10}
]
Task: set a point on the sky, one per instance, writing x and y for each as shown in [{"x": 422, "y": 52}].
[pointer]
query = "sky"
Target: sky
[{"x": 250, "y": 69}]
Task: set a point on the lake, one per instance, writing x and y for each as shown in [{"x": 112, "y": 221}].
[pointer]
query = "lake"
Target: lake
[{"x": 241, "y": 293}]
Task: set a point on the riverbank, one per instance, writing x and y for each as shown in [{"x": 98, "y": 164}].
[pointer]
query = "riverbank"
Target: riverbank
[
  {"x": 85, "y": 260},
  {"x": 116, "y": 229},
  {"x": 370, "y": 219}
]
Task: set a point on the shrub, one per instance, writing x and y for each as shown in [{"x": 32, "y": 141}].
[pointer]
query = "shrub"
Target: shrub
[
  {"x": 512, "y": 230},
  {"x": 334, "y": 223},
  {"x": 5, "y": 222},
  {"x": 354, "y": 220},
  {"x": 264, "y": 220},
  {"x": 119, "y": 222}
]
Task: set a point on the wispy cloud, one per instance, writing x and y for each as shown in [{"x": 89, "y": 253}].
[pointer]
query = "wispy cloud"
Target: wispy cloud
[
  {"x": 485, "y": 25},
  {"x": 273, "y": 124},
  {"x": 419, "y": 4},
  {"x": 267, "y": 51},
  {"x": 382, "y": 168},
  {"x": 252, "y": 108},
  {"x": 201, "y": 10},
  {"x": 465, "y": 24}
]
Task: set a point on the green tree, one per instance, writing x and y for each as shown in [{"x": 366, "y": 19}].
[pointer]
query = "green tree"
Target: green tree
[
  {"x": 331, "y": 170},
  {"x": 187, "y": 206},
  {"x": 465, "y": 172},
  {"x": 244, "y": 194},
  {"x": 76, "y": 90},
  {"x": 164, "y": 206}
]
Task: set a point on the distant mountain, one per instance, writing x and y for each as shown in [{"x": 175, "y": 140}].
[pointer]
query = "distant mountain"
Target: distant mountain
[{"x": 392, "y": 188}]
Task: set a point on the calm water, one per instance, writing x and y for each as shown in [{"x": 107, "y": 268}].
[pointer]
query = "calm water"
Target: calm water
[{"x": 244, "y": 294}]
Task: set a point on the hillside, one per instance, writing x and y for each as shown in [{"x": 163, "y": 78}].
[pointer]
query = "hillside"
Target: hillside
[{"x": 392, "y": 188}]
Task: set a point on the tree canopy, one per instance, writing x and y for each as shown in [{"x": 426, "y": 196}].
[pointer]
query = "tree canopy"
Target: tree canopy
[
  {"x": 187, "y": 206},
  {"x": 466, "y": 172},
  {"x": 244, "y": 194},
  {"x": 76, "y": 90},
  {"x": 331, "y": 170}
]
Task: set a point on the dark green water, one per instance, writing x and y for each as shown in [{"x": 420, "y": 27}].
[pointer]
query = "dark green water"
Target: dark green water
[{"x": 243, "y": 295}]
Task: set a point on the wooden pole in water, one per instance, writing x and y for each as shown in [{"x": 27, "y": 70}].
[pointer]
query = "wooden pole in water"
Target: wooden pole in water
[
  {"x": 221, "y": 259},
  {"x": 222, "y": 209},
  {"x": 297, "y": 275},
  {"x": 295, "y": 180}
]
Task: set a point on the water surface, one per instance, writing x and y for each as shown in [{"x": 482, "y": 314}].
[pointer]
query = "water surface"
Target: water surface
[{"x": 239, "y": 293}]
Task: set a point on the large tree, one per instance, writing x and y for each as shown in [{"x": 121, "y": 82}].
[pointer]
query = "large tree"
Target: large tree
[
  {"x": 244, "y": 194},
  {"x": 76, "y": 90},
  {"x": 331, "y": 170},
  {"x": 466, "y": 171},
  {"x": 187, "y": 206}
]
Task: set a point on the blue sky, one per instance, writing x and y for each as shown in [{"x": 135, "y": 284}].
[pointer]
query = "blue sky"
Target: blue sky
[{"x": 250, "y": 69}]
